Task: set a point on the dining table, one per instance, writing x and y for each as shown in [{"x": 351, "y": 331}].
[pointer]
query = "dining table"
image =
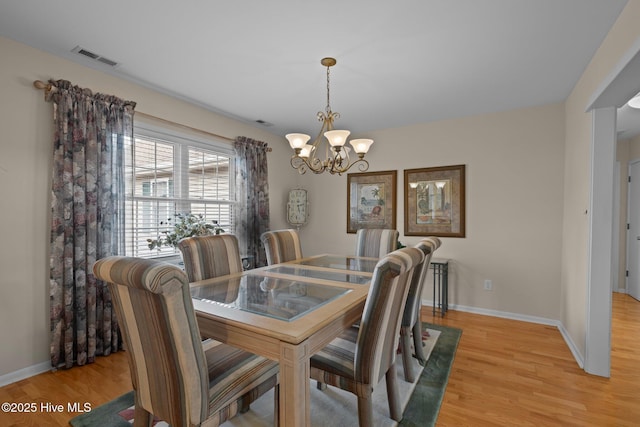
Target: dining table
[{"x": 286, "y": 312}]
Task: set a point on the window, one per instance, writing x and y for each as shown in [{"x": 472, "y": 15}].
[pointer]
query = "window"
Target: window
[{"x": 168, "y": 173}]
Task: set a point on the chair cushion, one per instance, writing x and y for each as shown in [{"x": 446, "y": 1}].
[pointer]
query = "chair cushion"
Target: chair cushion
[
  {"x": 334, "y": 364},
  {"x": 234, "y": 372}
]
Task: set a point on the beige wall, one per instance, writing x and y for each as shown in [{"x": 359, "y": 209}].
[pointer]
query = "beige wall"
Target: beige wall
[
  {"x": 25, "y": 151},
  {"x": 578, "y": 138},
  {"x": 634, "y": 148},
  {"x": 514, "y": 204}
]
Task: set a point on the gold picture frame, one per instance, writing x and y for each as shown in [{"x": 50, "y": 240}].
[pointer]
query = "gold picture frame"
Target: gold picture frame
[
  {"x": 371, "y": 200},
  {"x": 434, "y": 201}
]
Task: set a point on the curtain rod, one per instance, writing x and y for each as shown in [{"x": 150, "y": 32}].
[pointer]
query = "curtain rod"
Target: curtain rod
[{"x": 38, "y": 84}]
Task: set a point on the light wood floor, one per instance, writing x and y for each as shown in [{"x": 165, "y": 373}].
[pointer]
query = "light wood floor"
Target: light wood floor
[
  {"x": 510, "y": 373},
  {"x": 505, "y": 373}
]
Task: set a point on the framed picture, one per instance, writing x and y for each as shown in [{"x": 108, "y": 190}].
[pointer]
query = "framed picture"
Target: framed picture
[
  {"x": 371, "y": 200},
  {"x": 434, "y": 201}
]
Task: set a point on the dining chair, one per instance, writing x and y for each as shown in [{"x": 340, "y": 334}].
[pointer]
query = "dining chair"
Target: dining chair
[
  {"x": 281, "y": 246},
  {"x": 411, "y": 323},
  {"x": 358, "y": 359},
  {"x": 376, "y": 242},
  {"x": 206, "y": 257},
  {"x": 175, "y": 376}
]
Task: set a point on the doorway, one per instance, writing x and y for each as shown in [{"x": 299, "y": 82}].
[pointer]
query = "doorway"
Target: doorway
[
  {"x": 621, "y": 85},
  {"x": 633, "y": 231}
]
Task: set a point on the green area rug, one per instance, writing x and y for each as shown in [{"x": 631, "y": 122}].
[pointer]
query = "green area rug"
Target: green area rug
[
  {"x": 421, "y": 410},
  {"x": 426, "y": 399}
]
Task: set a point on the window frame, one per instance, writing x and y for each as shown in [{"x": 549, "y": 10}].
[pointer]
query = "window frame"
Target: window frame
[{"x": 181, "y": 142}]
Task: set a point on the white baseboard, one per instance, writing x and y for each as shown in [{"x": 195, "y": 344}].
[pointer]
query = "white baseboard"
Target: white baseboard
[
  {"x": 572, "y": 346},
  {"x": 23, "y": 373},
  {"x": 524, "y": 318}
]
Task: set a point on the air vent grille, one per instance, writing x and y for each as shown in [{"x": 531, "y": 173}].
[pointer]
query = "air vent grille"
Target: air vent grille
[
  {"x": 264, "y": 123},
  {"x": 94, "y": 56}
]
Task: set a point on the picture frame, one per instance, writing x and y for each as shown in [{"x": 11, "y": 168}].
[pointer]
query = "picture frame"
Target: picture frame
[
  {"x": 434, "y": 201},
  {"x": 371, "y": 200}
]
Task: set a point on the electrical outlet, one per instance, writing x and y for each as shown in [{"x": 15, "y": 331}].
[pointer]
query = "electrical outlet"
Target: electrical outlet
[{"x": 488, "y": 285}]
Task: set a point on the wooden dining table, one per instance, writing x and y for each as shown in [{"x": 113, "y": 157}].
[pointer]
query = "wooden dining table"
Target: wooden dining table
[{"x": 286, "y": 312}]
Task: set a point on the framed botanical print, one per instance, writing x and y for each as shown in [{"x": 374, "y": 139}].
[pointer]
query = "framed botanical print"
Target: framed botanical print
[
  {"x": 434, "y": 201},
  {"x": 371, "y": 200}
]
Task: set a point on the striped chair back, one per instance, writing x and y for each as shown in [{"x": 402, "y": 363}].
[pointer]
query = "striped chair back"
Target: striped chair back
[
  {"x": 281, "y": 246},
  {"x": 411, "y": 325},
  {"x": 414, "y": 300},
  {"x": 434, "y": 241},
  {"x": 166, "y": 358},
  {"x": 211, "y": 256},
  {"x": 376, "y": 242},
  {"x": 380, "y": 324}
]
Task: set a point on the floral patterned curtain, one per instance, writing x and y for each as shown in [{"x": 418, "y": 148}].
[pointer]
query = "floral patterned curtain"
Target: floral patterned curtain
[
  {"x": 252, "y": 194},
  {"x": 87, "y": 219}
]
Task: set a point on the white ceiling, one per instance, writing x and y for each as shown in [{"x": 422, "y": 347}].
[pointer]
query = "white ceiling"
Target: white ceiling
[{"x": 399, "y": 63}]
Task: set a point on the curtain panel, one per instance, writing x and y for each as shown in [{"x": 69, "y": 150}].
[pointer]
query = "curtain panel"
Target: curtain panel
[
  {"x": 87, "y": 219},
  {"x": 252, "y": 195}
]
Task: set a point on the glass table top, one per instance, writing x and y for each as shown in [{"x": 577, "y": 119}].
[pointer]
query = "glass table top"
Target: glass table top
[
  {"x": 320, "y": 274},
  {"x": 343, "y": 262},
  {"x": 282, "y": 299}
]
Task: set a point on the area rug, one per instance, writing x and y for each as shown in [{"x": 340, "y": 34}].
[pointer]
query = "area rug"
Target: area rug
[{"x": 332, "y": 407}]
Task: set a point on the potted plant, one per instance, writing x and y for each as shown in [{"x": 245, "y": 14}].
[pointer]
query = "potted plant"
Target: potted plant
[{"x": 184, "y": 225}]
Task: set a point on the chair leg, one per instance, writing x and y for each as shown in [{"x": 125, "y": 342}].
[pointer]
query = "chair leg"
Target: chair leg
[
  {"x": 365, "y": 411},
  {"x": 276, "y": 405},
  {"x": 417, "y": 342},
  {"x": 244, "y": 407},
  {"x": 142, "y": 417},
  {"x": 245, "y": 404},
  {"x": 392, "y": 395},
  {"x": 407, "y": 363}
]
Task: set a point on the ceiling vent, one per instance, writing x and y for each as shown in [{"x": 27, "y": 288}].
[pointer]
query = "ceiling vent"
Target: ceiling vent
[
  {"x": 94, "y": 56},
  {"x": 263, "y": 123}
]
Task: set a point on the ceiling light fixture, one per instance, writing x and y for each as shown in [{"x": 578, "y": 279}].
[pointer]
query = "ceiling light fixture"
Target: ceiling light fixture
[
  {"x": 336, "y": 160},
  {"x": 634, "y": 102}
]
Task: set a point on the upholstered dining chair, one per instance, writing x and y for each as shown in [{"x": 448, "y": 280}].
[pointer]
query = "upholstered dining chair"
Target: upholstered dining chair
[
  {"x": 376, "y": 242},
  {"x": 411, "y": 323},
  {"x": 210, "y": 256},
  {"x": 281, "y": 246},
  {"x": 175, "y": 376},
  {"x": 357, "y": 360}
]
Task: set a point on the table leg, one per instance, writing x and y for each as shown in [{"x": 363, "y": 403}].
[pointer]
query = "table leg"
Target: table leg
[
  {"x": 440, "y": 287},
  {"x": 294, "y": 385},
  {"x": 445, "y": 289},
  {"x": 434, "y": 288}
]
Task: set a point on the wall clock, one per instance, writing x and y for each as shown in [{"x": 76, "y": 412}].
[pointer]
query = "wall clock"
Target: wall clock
[{"x": 297, "y": 207}]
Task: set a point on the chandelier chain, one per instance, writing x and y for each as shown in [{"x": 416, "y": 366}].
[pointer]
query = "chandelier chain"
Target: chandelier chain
[{"x": 328, "y": 109}]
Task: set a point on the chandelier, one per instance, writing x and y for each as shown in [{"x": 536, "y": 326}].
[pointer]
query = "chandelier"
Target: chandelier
[{"x": 336, "y": 158}]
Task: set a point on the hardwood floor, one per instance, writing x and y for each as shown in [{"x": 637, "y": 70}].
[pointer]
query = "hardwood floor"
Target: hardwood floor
[
  {"x": 506, "y": 373},
  {"x": 95, "y": 384},
  {"x": 511, "y": 373}
]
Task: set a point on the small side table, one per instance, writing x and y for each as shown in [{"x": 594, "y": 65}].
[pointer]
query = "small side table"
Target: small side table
[{"x": 440, "y": 269}]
